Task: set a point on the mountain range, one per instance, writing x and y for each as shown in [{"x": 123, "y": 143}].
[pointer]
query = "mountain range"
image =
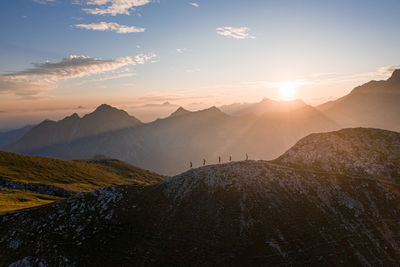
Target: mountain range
[
  {"x": 262, "y": 130},
  {"x": 10, "y": 137},
  {"x": 104, "y": 119},
  {"x": 167, "y": 145},
  {"x": 332, "y": 199}
]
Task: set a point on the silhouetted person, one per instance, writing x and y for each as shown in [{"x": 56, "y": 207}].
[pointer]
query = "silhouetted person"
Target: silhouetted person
[
  {"x": 219, "y": 159},
  {"x": 204, "y": 162},
  {"x": 191, "y": 164},
  {"x": 230, "y": 157},
  {"x": 247, "y": 157}
]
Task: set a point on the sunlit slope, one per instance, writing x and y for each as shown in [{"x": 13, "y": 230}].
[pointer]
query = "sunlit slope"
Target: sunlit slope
[
  {"x": 76, "y": 176},
  {"x": 31, "y": 181},
  {"x": 14, "y": 199}
]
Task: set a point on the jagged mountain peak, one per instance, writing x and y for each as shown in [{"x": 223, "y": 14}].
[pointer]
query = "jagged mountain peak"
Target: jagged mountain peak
[
  {"x": 104, "y": 119},
  {"x": 395, "y": 78},
  {"x": 179, "y": 112},
  {"x": 73, "y": 117},
  {"x": 107, "y": 112},
  {"x": 104, "y": 107},
  {"x": 212, "y": 109}
]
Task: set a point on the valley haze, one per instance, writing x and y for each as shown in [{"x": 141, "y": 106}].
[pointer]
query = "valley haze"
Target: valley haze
[{"x": 263, "y": 130}]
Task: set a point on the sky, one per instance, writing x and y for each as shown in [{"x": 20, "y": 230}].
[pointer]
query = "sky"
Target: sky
[{"x": 63, "y": 56}]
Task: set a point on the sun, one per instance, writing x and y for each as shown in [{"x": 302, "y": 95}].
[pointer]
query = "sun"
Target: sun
[{"x": 287, "y": 90}]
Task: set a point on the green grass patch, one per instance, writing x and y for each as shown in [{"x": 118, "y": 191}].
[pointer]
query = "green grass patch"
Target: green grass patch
[
  {"x": 76, "y": 175},
  {"x": 11, "y": 199}
]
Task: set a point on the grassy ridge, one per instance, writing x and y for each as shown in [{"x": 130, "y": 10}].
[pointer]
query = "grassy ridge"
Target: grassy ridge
[
  {"x": 12, "y": 199},
  {"x": 75, "y": 176}
]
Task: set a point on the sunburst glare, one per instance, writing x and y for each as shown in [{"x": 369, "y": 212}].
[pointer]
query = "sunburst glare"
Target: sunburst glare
[{"x": 287, "y": 91}]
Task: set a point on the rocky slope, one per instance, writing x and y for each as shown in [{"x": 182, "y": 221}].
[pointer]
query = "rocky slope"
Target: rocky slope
[
  {"x": 252, "y": 213},
  {"x": 359, "y": 151}
]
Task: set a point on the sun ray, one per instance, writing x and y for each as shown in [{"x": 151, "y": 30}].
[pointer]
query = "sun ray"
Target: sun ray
[{"x": 287, "y": 91}]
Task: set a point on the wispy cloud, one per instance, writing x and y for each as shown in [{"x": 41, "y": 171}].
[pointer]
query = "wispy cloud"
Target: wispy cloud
[
  {"x": 113, "y": 7},
  {"x": 44, "y": 2},
  {"x": 192, "y": 70},
  {"x": 45, "y": 76},
  {"x": 78, "y": 18},
  {"x": 110, "y": 26},
  {"x": 194, "y": 4},
  {"x": 237, "y": 33},
  {"x": 388, "y": 70},
  {"x": 143, "y": 58},
  {"x": 113, "y": 76},
  {"x": 181, "y": 50}
]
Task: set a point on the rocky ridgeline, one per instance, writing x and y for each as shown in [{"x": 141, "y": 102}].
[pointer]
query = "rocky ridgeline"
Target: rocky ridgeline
[
  {"x": 242, "y": 213},
  {"x": 370, "y": 152}
]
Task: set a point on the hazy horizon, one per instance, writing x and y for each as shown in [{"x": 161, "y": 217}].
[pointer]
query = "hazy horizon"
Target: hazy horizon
[{"x": 146, "y": 113}]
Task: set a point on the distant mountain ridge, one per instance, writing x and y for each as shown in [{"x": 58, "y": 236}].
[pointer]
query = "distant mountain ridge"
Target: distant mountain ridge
[
  {"x": 179, "y": 112},
  {"x": 167, "y": 145},
  {"x": 10, "y": 137},
  {"x": 374, "y": 104},
  {"x": 248, "y": 213},
  {"x": 266, "y": 105},
  {"x": 104, "y": 119}
]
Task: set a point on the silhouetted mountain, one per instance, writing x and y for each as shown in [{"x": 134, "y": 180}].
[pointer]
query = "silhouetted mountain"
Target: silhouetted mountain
[
  {"x": 167, "y": 145},
  {"x": 9, "y": 137},
  {"x": 250, "y": 213},
  {"x": 180, "y": 111},
  {"x": 266, "y": 105},
  {"x": 374, "y": 104},
  {"x": 104, "y": 119}
]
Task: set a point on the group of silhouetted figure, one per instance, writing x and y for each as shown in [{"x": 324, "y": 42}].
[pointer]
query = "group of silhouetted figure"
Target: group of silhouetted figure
[{"x": 219, "y": 160}]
